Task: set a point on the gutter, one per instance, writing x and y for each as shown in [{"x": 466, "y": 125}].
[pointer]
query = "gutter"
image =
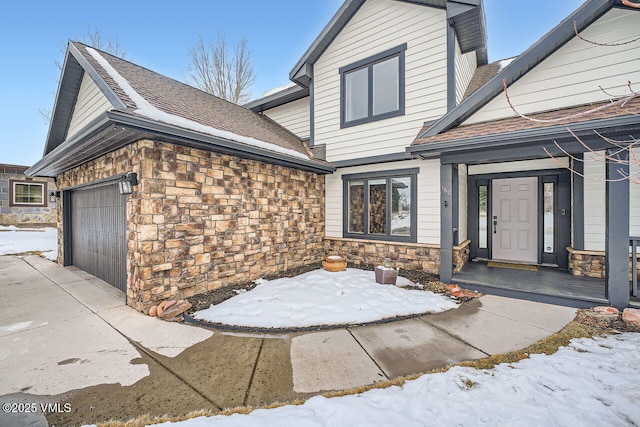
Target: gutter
[{"x": 84, "y": 146}]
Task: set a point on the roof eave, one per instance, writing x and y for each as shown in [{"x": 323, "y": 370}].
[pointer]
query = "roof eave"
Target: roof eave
[
  {"x": 468, "y": 20},
  {"x": 115, "y": 129},
  {"x": 276, "y": 99},
  {"x": 213, "y": 142},
  {"x": 74, "y": 67},
  {"x": 70, "y": 150},
  {"x": 326, "y": 36}
]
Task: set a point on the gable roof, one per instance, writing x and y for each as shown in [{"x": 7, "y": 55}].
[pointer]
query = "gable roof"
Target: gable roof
[
  {"x": 584, "y": 16},
  {"x": 466, "y": 16},
  {"x": 148, "y": 104}
]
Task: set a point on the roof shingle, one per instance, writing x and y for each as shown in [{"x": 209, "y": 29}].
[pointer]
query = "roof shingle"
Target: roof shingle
[
  {"x": 181, "y": 100},
  {"x": 512, "y": 124}
]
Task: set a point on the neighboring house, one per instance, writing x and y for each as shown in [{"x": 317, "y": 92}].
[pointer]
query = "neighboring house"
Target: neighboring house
[
  {"x": 394, "y": 143},
  {"x": 24, "y": 200}
]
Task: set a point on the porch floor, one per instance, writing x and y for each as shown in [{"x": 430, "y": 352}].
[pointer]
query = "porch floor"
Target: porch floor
[{"x": 549, "y": 285}]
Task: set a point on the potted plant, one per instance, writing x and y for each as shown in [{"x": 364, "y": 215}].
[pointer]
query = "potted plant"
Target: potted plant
[{"x": 386, "y": 274}]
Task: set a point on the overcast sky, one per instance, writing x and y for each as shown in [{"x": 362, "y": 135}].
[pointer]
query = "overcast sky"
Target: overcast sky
[{"x": 157, "y": 35}]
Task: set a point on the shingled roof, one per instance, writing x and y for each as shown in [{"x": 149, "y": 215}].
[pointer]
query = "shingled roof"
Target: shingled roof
[
  {"x": 149, "y": 105},
  {"x": 184, "y": 101},
  {"x": 549, "y": 119}
]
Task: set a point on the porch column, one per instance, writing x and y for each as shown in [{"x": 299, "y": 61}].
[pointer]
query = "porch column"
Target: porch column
[
  {"x": 446, "y": 223},
  {"x": 617, "y": 234}
]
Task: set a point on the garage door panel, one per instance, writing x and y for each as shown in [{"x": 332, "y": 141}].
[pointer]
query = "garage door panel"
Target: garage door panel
[{"x": 98, "y": 233}]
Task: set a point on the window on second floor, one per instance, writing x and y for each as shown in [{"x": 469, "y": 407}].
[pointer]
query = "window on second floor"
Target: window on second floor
[{"x": 373, "y": 89}]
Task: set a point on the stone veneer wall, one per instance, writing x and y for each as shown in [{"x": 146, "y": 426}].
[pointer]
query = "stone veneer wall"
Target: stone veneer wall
[
  {"x": 591, "y": 263},
  {"x": 407, "y": 256},
  {"x": 200, "y": 220},
  {"x": 24, "y": 215},
  {"x": 461, "y": 255}
]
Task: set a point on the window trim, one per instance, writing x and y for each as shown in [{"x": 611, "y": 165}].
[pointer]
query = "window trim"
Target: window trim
[
  {"x": 368, "y": 63},
  {"x": 12, "y": 194},
  {"x": 412, "y": 173}
]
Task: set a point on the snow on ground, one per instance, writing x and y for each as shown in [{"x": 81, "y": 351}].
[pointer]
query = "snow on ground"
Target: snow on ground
[
  {"x": 14, "y": 240},
  {"x": 591, "y": 382},
  {"x": 323, "y": 298}
]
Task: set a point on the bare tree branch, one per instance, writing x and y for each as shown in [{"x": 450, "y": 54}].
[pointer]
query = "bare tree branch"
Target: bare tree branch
[
  {"x": 220, "y": 71},
  {"x": 631, "y": 4},
  {"x": 624, "y": 153},
  {"x": 575, "y": 29},
  {"x": 612, "y": 103}
]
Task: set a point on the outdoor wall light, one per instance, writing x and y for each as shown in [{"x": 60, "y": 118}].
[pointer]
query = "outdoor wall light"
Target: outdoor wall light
[
  {"x": 54, "y": 196},
  {"x": 128, "y": 181}
]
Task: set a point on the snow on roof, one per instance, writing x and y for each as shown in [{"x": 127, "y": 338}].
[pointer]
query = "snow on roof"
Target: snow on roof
[
  {"x": 502, "y": 64},
  {"x": 144, "y": 108},
  {"x": 278, "y": 89}
]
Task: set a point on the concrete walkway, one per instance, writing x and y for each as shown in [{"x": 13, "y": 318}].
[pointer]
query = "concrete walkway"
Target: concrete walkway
[{"x": 63, "y": 330}]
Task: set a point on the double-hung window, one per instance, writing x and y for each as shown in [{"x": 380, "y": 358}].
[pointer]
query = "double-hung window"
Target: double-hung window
[
  {"x": 381, "y": 205},
  {"x": 27, "y": 193},
  {"x": 373, "y": 89}
]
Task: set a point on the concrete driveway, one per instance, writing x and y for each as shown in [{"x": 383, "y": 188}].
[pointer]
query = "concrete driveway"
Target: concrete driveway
[
  {"x": 63, "y": 330},
  {"x": 67, "y": 336}
]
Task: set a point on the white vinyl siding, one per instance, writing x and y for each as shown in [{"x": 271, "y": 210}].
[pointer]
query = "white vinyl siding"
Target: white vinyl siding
[
  {"x": 428, "y": 197},
  {"x": 465, "y": 68},
  {"x": 462, "y": 203},
  {"x": 380, "y": 25},
  {"x": 294, "y": 116},
  {"x": 594, "y": 203},
  {"x": 90, "y": 104},
  {"x": 574, "y": 73},
  {"x": 595, "y": 199}
]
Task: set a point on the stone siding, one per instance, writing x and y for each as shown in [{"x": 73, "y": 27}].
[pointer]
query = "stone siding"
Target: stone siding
[
  {"x": 408, "y": 256},
  {"x": 198, "y": 220},
  {"x": 461, "y": 255},
  {"x": 591, "y": 263},
  {"x": 25, "y": 215}
]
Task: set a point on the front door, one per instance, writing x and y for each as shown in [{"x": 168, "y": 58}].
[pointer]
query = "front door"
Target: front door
[{"x": 515, "y": 219}]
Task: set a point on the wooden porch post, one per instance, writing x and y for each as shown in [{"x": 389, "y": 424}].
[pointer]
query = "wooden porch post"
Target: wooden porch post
[{"x": 617, "y": 233}]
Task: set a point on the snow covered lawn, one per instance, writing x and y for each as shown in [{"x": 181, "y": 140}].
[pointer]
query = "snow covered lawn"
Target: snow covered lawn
[
  {"x": 591, "y": 382},
  {"x": 14, "y": 240},
  {"x": 323, "y": 298}
]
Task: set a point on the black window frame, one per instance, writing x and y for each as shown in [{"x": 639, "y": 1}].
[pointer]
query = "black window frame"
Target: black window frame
[
  {"x": 368, "y": 63},
  {"x": 412, "y": 173}
]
